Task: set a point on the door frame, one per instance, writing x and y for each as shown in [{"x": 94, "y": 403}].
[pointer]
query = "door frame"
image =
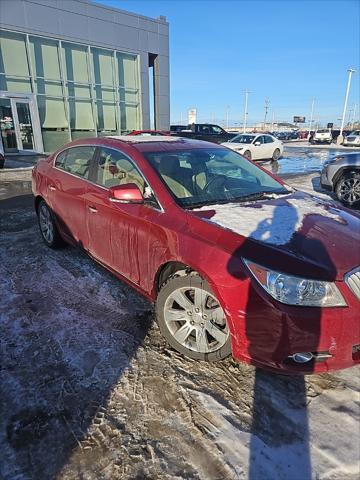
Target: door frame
[{"x": 30, "y": 99}]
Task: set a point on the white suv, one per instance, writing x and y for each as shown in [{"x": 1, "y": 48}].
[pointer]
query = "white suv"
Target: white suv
[
  {"x": 322, "y": 136},
  {"x": 353, "y": 139}
]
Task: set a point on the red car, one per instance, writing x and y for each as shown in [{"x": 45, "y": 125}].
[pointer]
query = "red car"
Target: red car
[
  {"x": 149, "y": 133},
  {"x": 235, "y": 261}
]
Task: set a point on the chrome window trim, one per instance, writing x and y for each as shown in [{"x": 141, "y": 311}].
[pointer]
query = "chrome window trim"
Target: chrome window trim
[{"x": 161, "y": 209}]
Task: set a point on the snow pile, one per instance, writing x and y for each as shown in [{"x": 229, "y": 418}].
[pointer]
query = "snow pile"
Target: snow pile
[{"x": 271, "y": 222}]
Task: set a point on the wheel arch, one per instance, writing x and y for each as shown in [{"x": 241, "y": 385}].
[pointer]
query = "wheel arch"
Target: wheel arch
[
  {"x": 37, "y": 201},
  {"x": 342, "y": 171}
]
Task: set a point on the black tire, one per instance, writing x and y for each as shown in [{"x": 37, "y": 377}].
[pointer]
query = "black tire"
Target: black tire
[
  {"x": 54, "y": 240},
  {"x": 173, "y": 284},
  {"x": 345, "y": 183},
  {"x": 247, "y": 154},
  {"x": 276, "y": 155},
  {"x": 2, "y": 161}
]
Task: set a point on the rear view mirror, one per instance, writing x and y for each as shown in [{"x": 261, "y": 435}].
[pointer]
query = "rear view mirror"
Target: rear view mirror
[
  {"x": 257, "y": 144},
  {"x": 128, "y": 193}
]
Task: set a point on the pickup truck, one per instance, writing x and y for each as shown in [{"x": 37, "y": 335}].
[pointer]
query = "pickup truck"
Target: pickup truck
[{"x": 202, "y": 131}]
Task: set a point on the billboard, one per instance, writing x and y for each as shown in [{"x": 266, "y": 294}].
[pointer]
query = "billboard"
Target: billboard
[
  {"x": 299, "y": 119},
  {"x": 191, "y": 115}
]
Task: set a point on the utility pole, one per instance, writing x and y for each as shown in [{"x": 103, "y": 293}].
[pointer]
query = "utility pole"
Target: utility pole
[
  {"x": 273, "y": 121},
  {"x": 353, "y": 116},
  {"x": 311, "y": 114},
  {"x": 267, "y": 103},
  {"x": 246, "y": 93},
  {"x": 340, "y": 137},
  {"x": 227, "y": 116}
]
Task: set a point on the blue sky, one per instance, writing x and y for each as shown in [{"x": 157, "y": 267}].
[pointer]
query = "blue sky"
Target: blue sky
[{"x": 286, "y": 51}]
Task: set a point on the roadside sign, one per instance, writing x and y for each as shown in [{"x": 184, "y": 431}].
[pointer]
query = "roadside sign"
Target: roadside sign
[{"x": 299, "y": 119}]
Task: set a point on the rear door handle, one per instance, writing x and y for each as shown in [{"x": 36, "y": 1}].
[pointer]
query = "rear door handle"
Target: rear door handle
[
  {"x": 92, "y": 209},
  {"x": 51, "y": 187}
]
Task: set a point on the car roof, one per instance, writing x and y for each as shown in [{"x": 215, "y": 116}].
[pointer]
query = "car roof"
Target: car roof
[{"x": 161, "y": 143}]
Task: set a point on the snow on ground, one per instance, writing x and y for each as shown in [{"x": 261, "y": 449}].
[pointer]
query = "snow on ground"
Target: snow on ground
[{"x": 89, "y": 389}]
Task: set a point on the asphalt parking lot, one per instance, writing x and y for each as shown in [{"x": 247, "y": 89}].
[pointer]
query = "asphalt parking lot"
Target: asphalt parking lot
[{"x": 91, "y": 390}]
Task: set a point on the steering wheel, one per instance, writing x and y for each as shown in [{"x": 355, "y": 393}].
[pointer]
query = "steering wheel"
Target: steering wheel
[{"x": 218, "y": 181}]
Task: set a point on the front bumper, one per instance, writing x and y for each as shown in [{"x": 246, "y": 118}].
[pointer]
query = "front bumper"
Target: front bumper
[{"x": 267, "y": 333}]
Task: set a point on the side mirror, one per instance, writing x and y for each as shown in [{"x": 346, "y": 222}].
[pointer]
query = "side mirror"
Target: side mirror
[
  {"x": 128, "y": 193},
  {"x": 257, "y": 144}
]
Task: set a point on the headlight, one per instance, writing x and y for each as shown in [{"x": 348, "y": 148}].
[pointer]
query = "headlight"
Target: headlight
[{"x": 295, "y": 290}]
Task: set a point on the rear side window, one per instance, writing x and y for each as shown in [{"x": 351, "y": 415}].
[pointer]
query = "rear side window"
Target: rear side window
[
  {"x": 268, "y": 139},
  {"x": 76, "y": 160}
]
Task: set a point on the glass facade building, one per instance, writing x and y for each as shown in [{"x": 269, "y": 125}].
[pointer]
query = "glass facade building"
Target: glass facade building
[
  {"x": 79, "y": 90},
  {"x": 73, "y": 69}
]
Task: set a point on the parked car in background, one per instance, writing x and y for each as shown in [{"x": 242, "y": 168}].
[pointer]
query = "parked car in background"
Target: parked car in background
[
  {"x": 353, "y": 139},
  {"x": 149, "y": 133},
  {"x": 342, "y": 176},
  {"x": 235, "y": 261},
  {"x": 322, "y": 136},
  {"x": 256, "y": 147},
  {"x": 203, "y": 131}
]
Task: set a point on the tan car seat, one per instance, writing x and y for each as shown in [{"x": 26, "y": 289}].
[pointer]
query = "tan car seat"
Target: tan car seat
[{"x": 176, "y": 177}]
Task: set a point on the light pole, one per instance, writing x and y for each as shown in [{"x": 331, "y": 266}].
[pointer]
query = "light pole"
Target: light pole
[
  {"x": 340, "y": 137},
  {"x": 245, "y": 109}
]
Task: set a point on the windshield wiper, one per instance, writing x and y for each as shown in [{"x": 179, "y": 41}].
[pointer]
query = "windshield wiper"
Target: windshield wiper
[{"x": 264, "y": 195}]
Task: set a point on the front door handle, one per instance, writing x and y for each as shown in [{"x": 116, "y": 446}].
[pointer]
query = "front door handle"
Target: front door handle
[
  {"x": 51, "y": 187},
  {"x": 92, "y": 209}
]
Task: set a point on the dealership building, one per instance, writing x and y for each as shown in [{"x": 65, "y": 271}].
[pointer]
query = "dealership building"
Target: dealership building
[{"x": 71, "y": 69}]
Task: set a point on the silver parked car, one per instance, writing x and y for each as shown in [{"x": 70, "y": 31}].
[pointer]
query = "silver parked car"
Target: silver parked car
[{"x": 342, "y": 175}]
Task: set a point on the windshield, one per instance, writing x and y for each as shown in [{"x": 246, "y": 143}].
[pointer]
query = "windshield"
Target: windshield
[
  {"x": 355, "y": 132},
  {"x": 207, "y": 176},
  {"x": 243, "y": 138}
]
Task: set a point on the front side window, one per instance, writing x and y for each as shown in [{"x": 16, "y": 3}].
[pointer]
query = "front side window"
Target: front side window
[
  {"x": 268, "y": 139},
  {"x": 243, "y": 139},
  {"x": 215, "y": 129},
  {"x": 115, "y": 168},
  {"x": 259, "y": 140},
  {"x": 76, "y": 160},
  {"x": 208, "y": 176}
]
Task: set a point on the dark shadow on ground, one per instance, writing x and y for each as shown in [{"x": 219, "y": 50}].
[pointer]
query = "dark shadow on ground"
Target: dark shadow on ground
[
  {"x": 68, "y": 332},
  {"x": 275, "y": 335}
]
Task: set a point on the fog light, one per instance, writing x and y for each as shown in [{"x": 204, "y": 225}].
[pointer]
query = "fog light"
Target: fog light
[{"x": 302, "y": 357}]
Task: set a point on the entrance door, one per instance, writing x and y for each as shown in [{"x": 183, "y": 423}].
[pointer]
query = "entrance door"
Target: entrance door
[
  {"x": 23, "y": 124},
  {"x": 20, "y": 130},
  {"x": 7, "y": 126}
]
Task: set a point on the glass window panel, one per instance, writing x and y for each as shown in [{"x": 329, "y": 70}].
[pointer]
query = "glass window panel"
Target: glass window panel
[
  {"x": 127, "y": 70},
  {"x": 76, "y": 63},
  {"x": 45, "y": 58},
  {"x": 11, "y": 84},
  {"x": 104, "y": 93},
  {"x": 102, "y": 64},
  {"x": 106, "y": 117},
  {"x": 76, "y": 90},
  {"x": 52, "y": 112},
  {"x": 54, "y": 126},
  {"x": 128, "y": 95},
  {"x": 81, "y": 116},
  {"x": 13, "y": 58},
  {"x": 129, "y": 117},
  {"x": 48, "y": 87}
]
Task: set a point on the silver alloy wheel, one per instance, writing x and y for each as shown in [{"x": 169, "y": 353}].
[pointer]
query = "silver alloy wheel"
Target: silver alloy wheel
[
  {"x": 46, "y": 224},
  {"x": 196, "y": 320},
  {"x": 276, "y": 155},
  {"x": 349, "y": 190}
]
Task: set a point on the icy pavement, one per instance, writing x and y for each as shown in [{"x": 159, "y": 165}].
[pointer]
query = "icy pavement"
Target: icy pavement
[{"x": 90, "y": 390}]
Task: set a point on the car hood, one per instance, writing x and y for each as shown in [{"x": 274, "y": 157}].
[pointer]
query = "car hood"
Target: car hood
[{"x": 317, "y": 233}]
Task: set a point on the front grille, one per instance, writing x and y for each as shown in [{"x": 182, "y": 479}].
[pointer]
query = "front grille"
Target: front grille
[{"x": 353, "y": 281}]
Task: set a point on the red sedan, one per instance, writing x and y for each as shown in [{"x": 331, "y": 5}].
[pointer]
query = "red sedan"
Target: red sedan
[{"x": 235, "y": 261}]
